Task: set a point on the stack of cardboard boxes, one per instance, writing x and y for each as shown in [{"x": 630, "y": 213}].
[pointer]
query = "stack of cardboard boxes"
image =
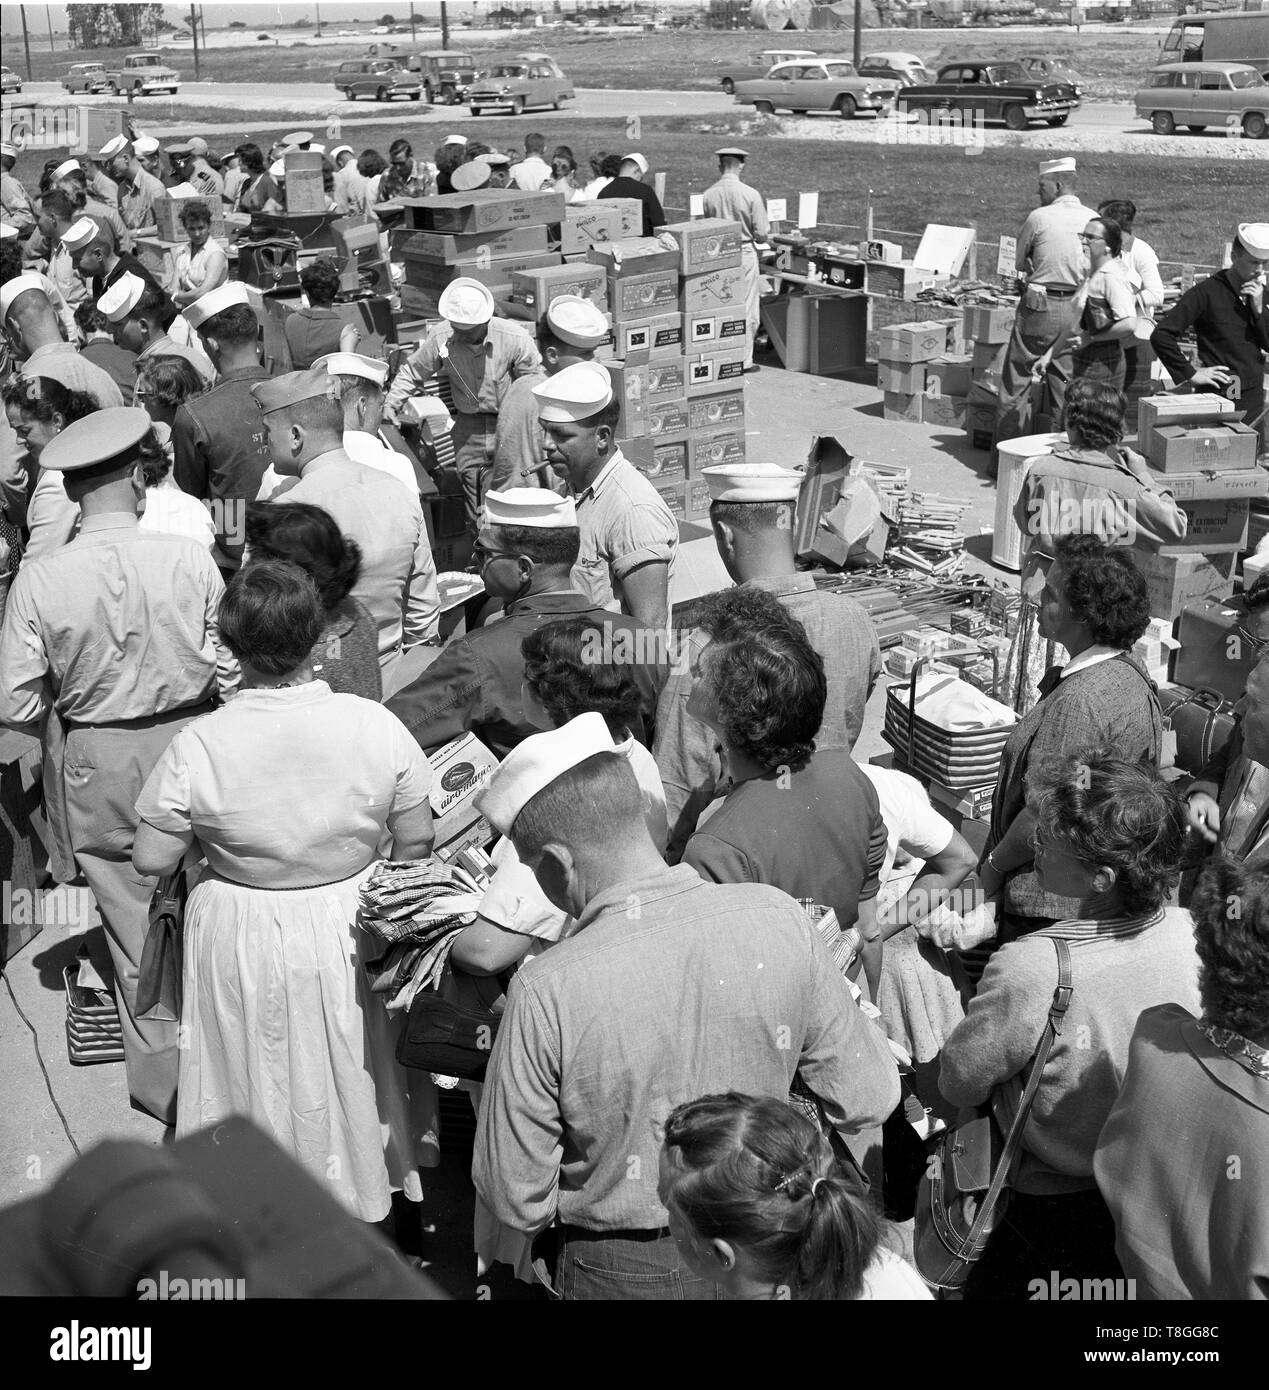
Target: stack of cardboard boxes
[
  {"x": 923, "y": 373},
  {"x": 987, "y": 328},
  {"x": 157, "y": 251}
]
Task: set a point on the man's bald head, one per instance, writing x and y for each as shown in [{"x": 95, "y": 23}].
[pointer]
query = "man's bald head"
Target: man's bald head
[{"x": 32, "y": 322}]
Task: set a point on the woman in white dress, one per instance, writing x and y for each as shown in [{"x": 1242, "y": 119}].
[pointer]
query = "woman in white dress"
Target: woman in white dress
[
  {"x": 292, "y": 793},
  {"x": 759, "y": 1206}
]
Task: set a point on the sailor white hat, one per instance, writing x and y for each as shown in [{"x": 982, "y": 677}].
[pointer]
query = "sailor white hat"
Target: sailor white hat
[
  {"x": 81, "y": 233},
  {"x": 67, "y": 166},
  {"x": 577, "y": 321},
  {"x": 578, "y": 392},
  {"x": 354, "y": 364},
  {"x": 145, "y": 145},
  {"x": 529, "y": 506},
  {"x": 215, "y": 302},
  {"x": 13, "y": 289},
  {"x": 119, "y": 300},
  {"x": 751, "y": 482},
  {"x": 474, "y": 174},
  {"x": 638, "y": 159},
  {"x": 1254, "y": 238},
  {"x": 466, "y": 303},
  {"x": 1065, "y": 165},
  {"x": 117, "y": 144},
  {"x": 534, "y": 764}
]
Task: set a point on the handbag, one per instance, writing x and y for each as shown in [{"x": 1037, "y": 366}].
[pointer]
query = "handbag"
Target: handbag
[
  {"x": 451, "y": 1029},
  {"x": 964, "y": 1190},
  {"x": 159, "y": 976}
]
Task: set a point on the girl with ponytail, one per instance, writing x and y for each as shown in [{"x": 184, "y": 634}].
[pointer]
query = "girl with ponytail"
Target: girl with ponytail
[{"x": 759, "y": 1205}]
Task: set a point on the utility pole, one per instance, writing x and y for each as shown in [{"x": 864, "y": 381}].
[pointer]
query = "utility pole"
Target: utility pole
[
  {"x": 318, "y": 9},
  {"x": 193, "y": 25},
  {"x": 444, "y": 24},
  {"x": 859, "y": 36},
  {"x": 48, "y": 15},
  {"x": 26, "y": 44},
  {"x": 413, "y": 36}
]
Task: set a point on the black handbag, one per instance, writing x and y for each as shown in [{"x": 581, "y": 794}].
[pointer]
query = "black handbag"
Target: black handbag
[
  {"x": 162, "y": 957},
  {"x": 451, "y": 1028}
]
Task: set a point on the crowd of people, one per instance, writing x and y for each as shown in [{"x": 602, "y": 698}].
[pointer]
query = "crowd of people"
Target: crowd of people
[{"x": 736, "y": 968}]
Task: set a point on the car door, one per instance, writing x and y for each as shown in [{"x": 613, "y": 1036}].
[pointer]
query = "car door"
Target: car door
[
  {"x": 811, "y": 88},
  {"x": 1214, "y": 99},
  {"x": 1183, "y": 99}
]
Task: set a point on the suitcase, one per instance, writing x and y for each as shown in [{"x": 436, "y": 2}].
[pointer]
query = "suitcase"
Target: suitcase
[
  {"x": 1212, "y": 655},
  {"x": 1202, "y": 722}
]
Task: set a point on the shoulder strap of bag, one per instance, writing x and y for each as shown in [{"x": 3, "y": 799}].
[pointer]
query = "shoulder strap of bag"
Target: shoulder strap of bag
[{"x": 1052, "y": 1027}]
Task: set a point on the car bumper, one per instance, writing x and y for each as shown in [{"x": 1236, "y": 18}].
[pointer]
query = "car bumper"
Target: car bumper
[{"x": 1051, "y": 108}]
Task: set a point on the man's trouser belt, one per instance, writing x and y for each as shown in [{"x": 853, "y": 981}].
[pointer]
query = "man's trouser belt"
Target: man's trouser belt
[
  {"x": 146, "y": 721},
  {"x": 576, "y": 1233},
  {"x": 1058, "y": 291},
  {"x": 484, "y": 421}
]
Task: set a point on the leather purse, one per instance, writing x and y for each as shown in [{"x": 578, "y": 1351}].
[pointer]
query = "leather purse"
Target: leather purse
[
  {"x": 451, "y": 1029},
  {"x": 159, "y": 989},
  {"x": 965, "y": 1188}
]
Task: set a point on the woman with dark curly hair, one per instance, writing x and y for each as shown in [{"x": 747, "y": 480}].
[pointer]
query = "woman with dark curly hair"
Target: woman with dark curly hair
[
  {"x": 1110, "y": 836},
  {"x": 259, "y": 192},
  {"x": 1191, "y": 1200},
  {"x": 805, "y": 821},
  {"x": 1095, "y": 605},
  {"x": 313, "y": 330},
  {"x": 346, "y": 653},
  {"x": 363, "y": 196},
  {"x": 759, "y": 1205}
]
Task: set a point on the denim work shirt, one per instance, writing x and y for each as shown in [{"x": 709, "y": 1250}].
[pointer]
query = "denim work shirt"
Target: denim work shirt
[{"x": 670, "y": 989}]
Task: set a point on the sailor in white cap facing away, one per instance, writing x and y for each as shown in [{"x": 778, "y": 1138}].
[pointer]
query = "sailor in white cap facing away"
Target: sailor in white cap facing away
[
  {"x": 1050, "y": 260},
  {"x": 359, "y": 383},
  {"x": 114, "y": 637},
  {"x": 571, "y": 330},
  {"x": 629, "y": 535},
  {"x": 15, "y": 206},
  {"x": 33, "y": 331},
  {"x": 347, "y": 179},
  {"x": 305, "y": 425},
  {"x": 753, "y": 509},
  {"x": 572, "y": 1114},
  {"x": 629, "y": 184},
  {"x": 1229, "y": 314},
  {"x": 138, "y": 188},
  {"x": 735, "y": 200},
  {"x": 479, "y": 356},
  {"x": 525, "y": 552}
]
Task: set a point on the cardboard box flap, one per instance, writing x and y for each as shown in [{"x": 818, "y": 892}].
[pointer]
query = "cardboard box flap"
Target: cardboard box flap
[{"x": 944, "y": 249}]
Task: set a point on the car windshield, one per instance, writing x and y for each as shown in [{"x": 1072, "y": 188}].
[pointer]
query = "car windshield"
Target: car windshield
[
  {"x": 1005, "y": 72},
  {"x": 459, "y": 60},
  {"x": 1251, "y": 78},
  {"x": 508, "y": 70},
  {"x": 841, "y": 70}
]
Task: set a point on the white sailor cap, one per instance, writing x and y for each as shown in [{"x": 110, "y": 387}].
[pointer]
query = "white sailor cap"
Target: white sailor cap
[
  {"x": 340, "y": 149},
  {"x": 7, "y": 150},
  {"x": 1253, "y": 237},
  {"x": 751, "y": 482},
  {"x": 495, "y": 159},
  {"x": 466, "y": 303},
  {"x": 578, "y": 392},
  {"x": 354, "y": 364},
  {"x": 215, "y": 302},
  {"x": 474, "y": 174},
  {"x": 67, "y": 166},
  {"x": 80, "y": 234},
  {"x": 96, "y": 439},
  {"x": 577, "y": 321},
  {"x": 529, "y": 506},
  {"x": 277, "y": 169},
  {"x": 7, "y": 231},
  {"x": 145, "y": 145},
  {"x": 638, "y": 159},
  {"x": 1066, "y": 165},
  {"x": 731, "y": 152},
  {"x": 533, "y": 765},
  {"x": 15, "y": 288},
  {"x": 117, "y": 144},
  {"x": 122, "y": 297},
  {"x": 298, "y": 137},
  {"x": 454, "y": 140}
]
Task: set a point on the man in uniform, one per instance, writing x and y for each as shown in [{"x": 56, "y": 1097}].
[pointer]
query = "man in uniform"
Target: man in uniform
[
  {"x": 571, "y": 330},
  {"x": 347, "y": 179},
  {"x": 499, "y": 169},
  {"x": 57, "y": 215},
  {"x": 189, "y": 166},
  {"x": 135, "y": 314},
  {"x": 1050, "y": 258},
  {"x": 305, "y": 424},
  {"x": 138, "y": 188},
  {"x": 734, "y": 200},
  {"x": 752, "y": 512},
  {"x": 532, "y": 173},
  {"x": 97, "y": 260},
  {"x": 359, "y": 383},
  {"x": 220, "y": 445},
  {"x": 98, "y": 187},
  {"x": 629, "y": 184},
  {"x": 480, "y": 357},
  {"x": 114, "y": 635},
  {"x": 150, "y": 154},
  {"x": 34, "y": 334},
  {"x": 629, "y": 535},
  {"x": 14, "y": 203},
  {"x": 526, "y": 549},
  {"x": 1229, "y": 313}
]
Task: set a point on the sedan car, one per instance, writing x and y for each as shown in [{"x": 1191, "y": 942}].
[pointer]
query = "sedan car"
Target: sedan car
[
  {"x": 532, "y": 79},
  {"x": 90, "y": 77},
  {"x": 1053, "y": 70},
  {"x": 1230, "y": 95},
  {"x": 380, "y": 78},
  {"x": 827, "y": 84},
  {"x": 904, "y": 68},
  {"x": 761, "y": 66},
  {"x": 993, "y": 92},
  {"x": 9, "y": 81}
]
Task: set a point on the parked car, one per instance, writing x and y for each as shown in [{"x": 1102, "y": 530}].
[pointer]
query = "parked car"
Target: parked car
[
  {"x": 905, "y": 68},
  {"x": 1053, "y": 70},
  {"x": 531, "y": 79},
  {"x": 447, "y": 76},
  {"x": 1196, "y": 95},
  {"x": 9, "y": 81},
  {"x": 147, "y": 74},
  {"x": 827, "y": 84},
  {"x": 993, "y": 92},
  {"x": 760, "y": 66},
  {"x": 90, "y": 77},
  {"x": 380, "y": 78}
]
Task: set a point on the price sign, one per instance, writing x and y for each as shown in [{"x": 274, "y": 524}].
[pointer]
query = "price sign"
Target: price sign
[
  {"x": 696, "y": 205},
  {"x": 808, "y": 209},
  {"x": 777, "y": 209},
  {"x": 1007, "y": 258}
]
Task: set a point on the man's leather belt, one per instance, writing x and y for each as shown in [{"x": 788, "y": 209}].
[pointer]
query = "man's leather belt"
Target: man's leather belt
[{"x": 1060, "y": 291}]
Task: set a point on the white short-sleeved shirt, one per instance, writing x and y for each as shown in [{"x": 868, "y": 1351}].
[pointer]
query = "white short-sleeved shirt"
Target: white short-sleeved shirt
[
  {"x": 624, "y": 523},
  {"x": 912, "y": 823},
  {"x": 515, "y": 902},
  {"x": 890, "y": 1279}
]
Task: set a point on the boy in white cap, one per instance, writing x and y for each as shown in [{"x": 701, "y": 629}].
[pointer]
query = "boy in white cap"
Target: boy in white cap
[
  {"x": 736, "y": 201},
  {"x": 752, "y": 512},
  {"x": 572, "y": 1112},
  {"x": 359, "y": 382},
  {"x": 347, "y": 179},
  {"x": 480, "y": 356},
  {"x": 1050, "y": 259},
  {"x": 532, "y": 173},
  {"x": 526, "y": 550},
  {"x": 150, "y": 153},
  {"x": 138, "y": 188},
  {"x": 113, "y": 637},
  {"x": 629, "y": 534},
  {"x": 1229, "y": 314},
  {"x": 304, "y": 422},
  {"x": 15, "y": 206},
  {"x": 629, "y": 184},
  {"x": 571, "y": 330}
]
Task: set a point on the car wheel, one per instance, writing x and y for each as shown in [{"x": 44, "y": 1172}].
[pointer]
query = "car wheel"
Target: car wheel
[
  {"x": 1255, "y": 126},
  {"x": 729, "y": 86},
  {"x": 846, "y": 107},
  {"x": 764, "y": 108},
  {"x": 1196, "y": 129},
  {"x": 381, "y": 94},
  {"x": 137, "y": 89},
  {"x": 517, "y": 107},
  {"x": 1015, "y": 118},
  {"x": 1059, "y": 120},
  {"x": 449, "y": 96},
  {"x": 1162, "y": 123},
  {"x": 799, "y": 111},
  {"x": 475, "y": 110}
]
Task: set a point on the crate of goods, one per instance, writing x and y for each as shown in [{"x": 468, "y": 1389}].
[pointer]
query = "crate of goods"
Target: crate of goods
[
  {"x": 669, "y": 458},
  {"x": 709, "y": 371},
  {"x": 1156, "y": 411},
  {"x": 539, "y": 289},
  {"x": 943, "y": 411},
  {"x": 482, "y": 210},
  {"x": 901, "y": 281},
  {"x": 713, "y": 412},
  {"x": 1213, "y": 527},
  {"x": 1209, "y": 447},
  {"x": 714, "y": 291},
  {"x": 911, "y": 342},
  {"x": 1248, "y": 484},
  {"x": 630, "y": 212},
  {"x": 980, "y": 424},
  {"x": 425, "y": 281},
  {"x": 304, "y": 188},
  {"x": 159, "y": 258},
  {"x": 668, "y": 417},
  {"x": 167, "y": 217},
  {"x": 667, "y": 380},
  {"x": 712, "y": 448},
  {"x": 949, "y": 375},
  {"x": 956, "y": 757},
  {"x": 987, "y": 360},
  {"x": 586, "y": 224},
  {"x": 901, "y": 405},
  {"x": 901, "y": 378},
  {"x": 987, "y": 323},
  {"x": 633, "y": 256},
  {"x": 704, "y": 331},
  {"x": 687, "y": 500},
  {"x": 708, "y": 243},
  {"x": 464, "y": 248},
  {"x": 1172, "y": 581},
  {"x": 643, "y": 296},
  {"x": 630, "y": 389},
  {"x": 658, "y": 337},
  {"x": 1212, "y": 653}
]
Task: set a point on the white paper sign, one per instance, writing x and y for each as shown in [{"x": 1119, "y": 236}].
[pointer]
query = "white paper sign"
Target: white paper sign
[
  {"x": 808, "y": 209},
  {"x": 777, "y": 209},
  {"x": 696, "y": 205},
  {"x": 1187, "y": 278},
  {"x": 1007, "y": 257}
]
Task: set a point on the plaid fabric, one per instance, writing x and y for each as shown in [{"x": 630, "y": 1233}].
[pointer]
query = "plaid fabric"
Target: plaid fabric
[{"x": 418, "y": 902}]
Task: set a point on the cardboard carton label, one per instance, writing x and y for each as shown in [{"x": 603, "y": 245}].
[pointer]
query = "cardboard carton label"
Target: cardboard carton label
[
  {"x": 712, "y": 412},
  {"x": 714, "y": 291}
]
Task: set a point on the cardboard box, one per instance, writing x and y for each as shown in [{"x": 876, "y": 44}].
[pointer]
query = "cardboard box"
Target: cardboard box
[
  {"x": 630, "y": 386},
  {"x": 1202, "y": 407},
  {"x": 911, "y": 342},
  {"x": 903, "y": 378},
  {"x": 703, "y": 331},
  {"x": 708, "y": 243},
  {"x": 1233, "y": 482},
  {"x": 1173, "y": 581},
  {"x": 483, "y": 210},
  {"x": 585, "y": 224},
  {"x": 949, "y": 375},
  {"x": 667, "y": 380},
  {"x": 637, "y": 451},
  {"x": 714, "y": 291},
  {"x": 1215, "y": 446},
  {"x": 167, "y": 217},
  {"x": 659, "y": 337},
  {"x": 632, "y": 256},
  {"x": 988, "y": 358},
  {"x": 303, "y": 188},
  {"x": 708, "y": 371},
  {"x": 688, "y": 500},
  {"x": 674, "y": 495},
  {"x": 460, "y": 771},
  {"x": 538, "y": 289},
  {"x": 827, "y": 468},
  {"x": 987, "y": 323},
  {"x": 451, "y": 249},
  {"x": 1215, "y": 526},
  {"x": 713, "y": 412},
  {"x": 668, "y": 417},
  {"x": 902, "y": 281},
  {"x": 628, "y": 210},
  {"x": 643, "y": 296},
  {"x": 900, "y": 405},
  {"x": 944, "y": 412},
  {"x": 669, "y": 458},
  {"x": 980, "y": 425},
  {"x": 713, "y": 448}
]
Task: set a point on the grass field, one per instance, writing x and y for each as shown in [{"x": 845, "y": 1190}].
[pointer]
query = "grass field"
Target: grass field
[
  {"x": 1188, "y": 208},
  {"x": 1113, "y": 62}
]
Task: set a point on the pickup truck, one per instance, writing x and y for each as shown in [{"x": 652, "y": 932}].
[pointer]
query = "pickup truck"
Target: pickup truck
[{"x": 145, "y": 74}]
